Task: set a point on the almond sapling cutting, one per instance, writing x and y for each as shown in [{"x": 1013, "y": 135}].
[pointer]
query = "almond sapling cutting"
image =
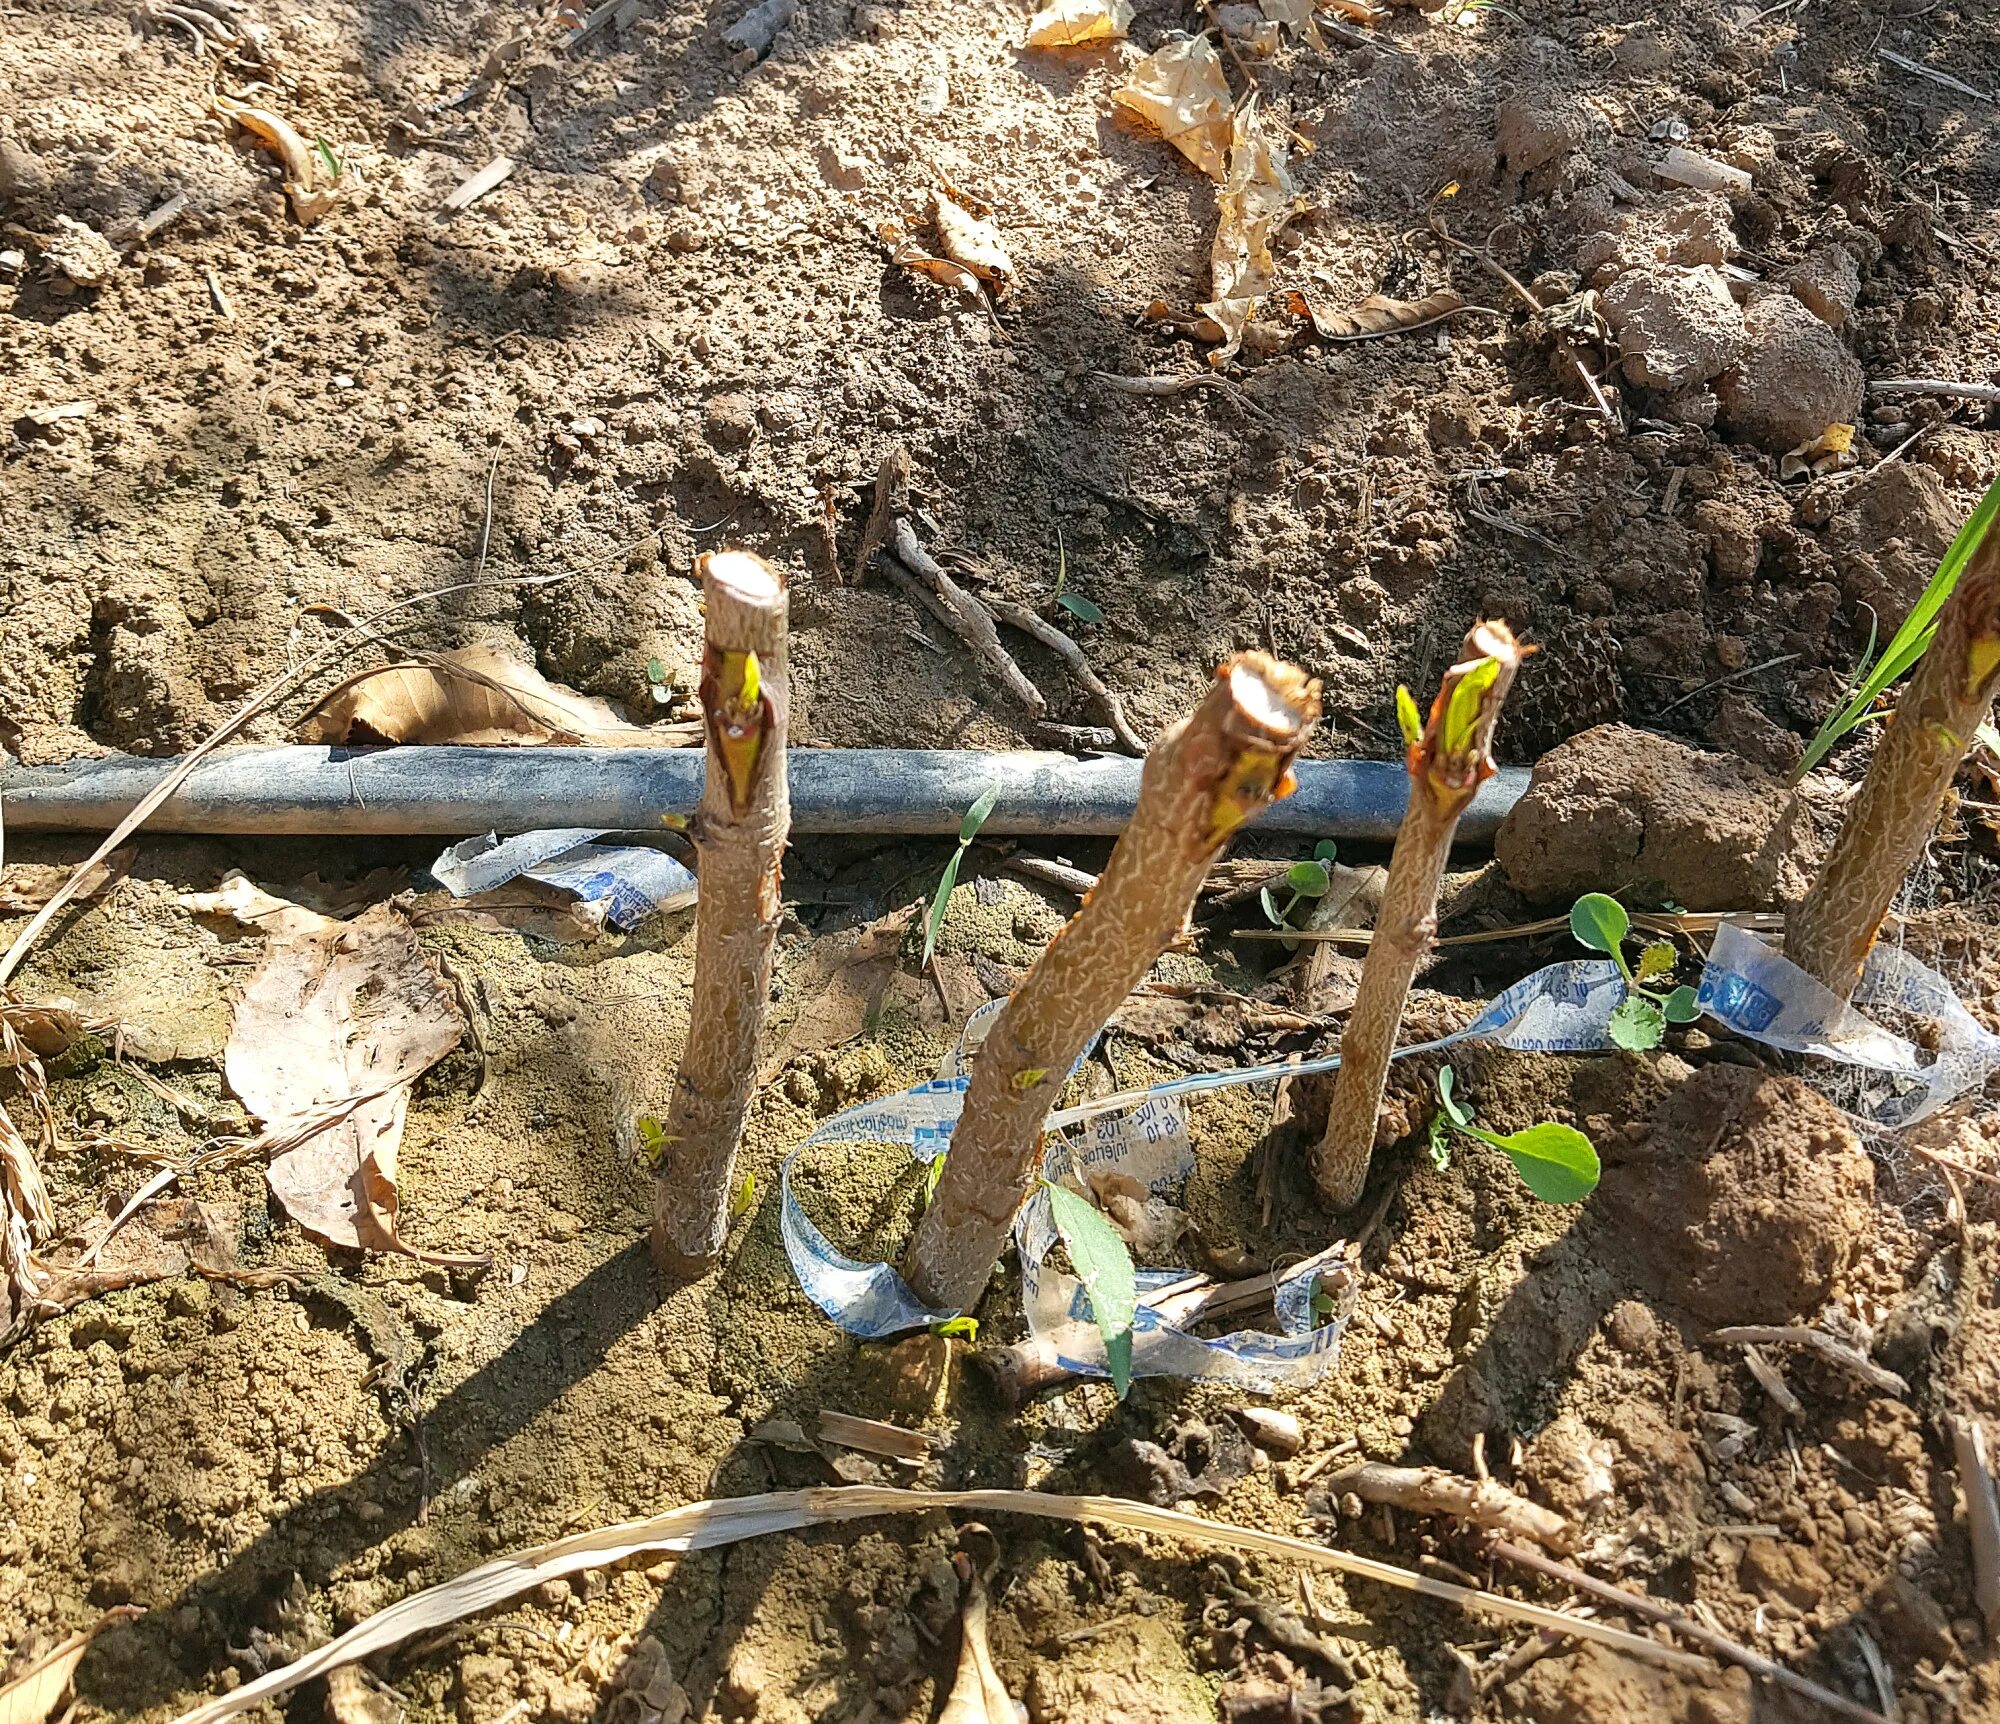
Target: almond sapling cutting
[
  {"x": 739, "y": 836},
  {"x": 1450, "y": 756},
  {"x": 1205, "y": 776},
  {"x": 1889, "y": 822}
]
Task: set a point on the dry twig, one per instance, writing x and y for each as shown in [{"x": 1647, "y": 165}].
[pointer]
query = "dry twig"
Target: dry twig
[
  {"x": 1432, "y": 1490},
  {"x": 1833, "y": 1351},
  {"x": 965, "y": 616},
  {"x": 1020, "y": 617}
]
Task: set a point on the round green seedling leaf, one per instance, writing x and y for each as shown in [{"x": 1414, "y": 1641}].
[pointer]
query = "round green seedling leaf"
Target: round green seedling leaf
[
  {"x": 1326, "y": 851},
  {"x": 1103, "y": 1263},
  {"x": 1682, "y": 1006},
  {"x": 1637, "y": 1024},
  {"x": 1599, "y": 922},
  {"x": 1308, "y": 879},
  {"x": 1556, "y": 1162}
]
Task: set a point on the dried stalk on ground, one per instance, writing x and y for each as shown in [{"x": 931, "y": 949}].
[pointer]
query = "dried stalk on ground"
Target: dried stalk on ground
[
  {"x": 1830, "y": 933},
  {"x": 1204, "y": 777},
  {"x": 1432, "y": 1490},
  {"x": 1982, "y": 1515},
  {"x": 739, "y": 834},
  {"x": 1449, "y": 758}
]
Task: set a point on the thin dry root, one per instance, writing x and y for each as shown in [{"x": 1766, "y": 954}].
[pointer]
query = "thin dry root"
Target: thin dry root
[
  {"x": 739, "y": 836},
  {"x": 1432, "y": 1490}
]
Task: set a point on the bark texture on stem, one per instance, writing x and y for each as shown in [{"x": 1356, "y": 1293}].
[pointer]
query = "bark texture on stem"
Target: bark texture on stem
[
  {"x": 739, "y": 837},
  {"x": 1448, "y": 760},
  {"x": 1830, "y": 933},
  {"x": 1203, "y": 778}
]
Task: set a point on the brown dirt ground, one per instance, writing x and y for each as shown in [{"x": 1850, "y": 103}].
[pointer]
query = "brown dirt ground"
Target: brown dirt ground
[{"x": 672, "y": 326}]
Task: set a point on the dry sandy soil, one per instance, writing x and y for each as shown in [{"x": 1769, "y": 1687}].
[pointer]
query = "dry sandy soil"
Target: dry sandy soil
[{"x": 674, "y": 327}]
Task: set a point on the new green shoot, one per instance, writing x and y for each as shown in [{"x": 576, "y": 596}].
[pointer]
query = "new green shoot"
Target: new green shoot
[
  {"x": 968, "y": 829},
  {"x": 1909, "y": 643},
  {"x": 1642, "y": 1016},
  {"x": 1103, "y": 1263},
  {"x": 1556, "y": 1162},
  {"x": 1075, "y": 603},
  {"x": 1309, "y": 879}
]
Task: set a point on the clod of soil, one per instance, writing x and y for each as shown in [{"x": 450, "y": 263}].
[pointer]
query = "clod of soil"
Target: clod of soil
[
  {"x": 1743, "y": 1199},
  {"x": 1888, "y": 538},
  {"x": 1675, "y": 327},
  {"x": 1618, "y": 809},
  {"x": 1795, "y": 378},
  {"x": 1600, "y": 1683}
]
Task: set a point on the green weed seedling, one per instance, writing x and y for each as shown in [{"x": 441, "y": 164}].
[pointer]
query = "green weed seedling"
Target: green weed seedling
[
  {"x": 1641, "y": 1019},
  {"x": 968, "y": 829},
  {"x": 1556, "y": 1162},
  {"x": 1303, "y": 880},
  {"x": 1075, "y": 603},
  {"x": 1103, "y": 1263}
]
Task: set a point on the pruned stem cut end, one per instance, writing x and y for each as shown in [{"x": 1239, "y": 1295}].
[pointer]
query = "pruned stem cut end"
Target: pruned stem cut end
[{"x": 744, "y": 576}]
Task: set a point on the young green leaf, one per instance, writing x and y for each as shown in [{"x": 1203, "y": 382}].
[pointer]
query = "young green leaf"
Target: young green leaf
[
  {"x": 1308, "y": 879},
  {"x": 1328, "y": 851},
  {"x": 1271, "y": 910},
  {"x": 1440, "y": 1144},
  {"x": 975, "y": 816},
  {"x": 1556, "y": 1162},
  {"x": 1681, "y": 1006},
  {"x": 1080, "y": 607},
  {"x": 958, "y": 1329},
  {"x": 1658, "y": 959},
  {"x": 1103, "y": 1264},
  {"x": 933, "y": 1172},
  {"x": 1408, "y": 718},
  {"x": 1637, "y": 1024},
  {"x": 1599, "y": 922},
  {"x": 1459, "y": 1116},
  {"x": 947, "y": 882},
  {"x": 746, "y": 1195},
  {"x": 1468, "y": 695}
]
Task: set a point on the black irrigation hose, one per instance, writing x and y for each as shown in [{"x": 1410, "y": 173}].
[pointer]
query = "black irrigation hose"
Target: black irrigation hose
[{"x": 456, "y": 791}]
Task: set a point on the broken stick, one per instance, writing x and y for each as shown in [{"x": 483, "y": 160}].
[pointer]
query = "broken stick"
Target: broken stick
[
  {"x": 1066, "y": 649},
  {"x": 965, "y": 616},
  {"x": 1432, "y": 1490},
  {"x": 739, "y": 835}
]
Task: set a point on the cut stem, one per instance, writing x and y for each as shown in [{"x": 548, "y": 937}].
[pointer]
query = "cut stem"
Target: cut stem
[
  {"x": 1449, "y": 758},
  {"x": 1203, "y": 778},
  {"x": 1830, "y": 933},
  {"x": 739, "y": 837}
]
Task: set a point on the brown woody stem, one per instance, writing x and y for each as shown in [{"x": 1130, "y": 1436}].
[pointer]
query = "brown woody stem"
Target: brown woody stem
[
  {"x": 1830, "y": 933},
  {"x": 1448, "y": 762},
  {"x": 1202, "y": 779},
  {"x": 739, "y": 837}
]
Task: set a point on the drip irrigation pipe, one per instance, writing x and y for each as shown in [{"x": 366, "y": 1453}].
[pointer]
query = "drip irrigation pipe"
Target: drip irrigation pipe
[{"x": 459, "y": 791}]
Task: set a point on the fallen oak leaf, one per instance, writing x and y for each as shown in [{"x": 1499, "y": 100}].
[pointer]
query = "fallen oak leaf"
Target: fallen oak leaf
[
  {"x": 968, "y": 238},
  {"x": 335, "y": 1026},
  {"x": 905, "y": 253},
  {"x": 474, "y": 696},
  {"x": 1377, "y": 315},
  {"x": 312, "y": 180},
  {"x": 1181, "y": 92},
  {"x": 1080, "y": 23},
  {"x": 1256, "y": 202}
]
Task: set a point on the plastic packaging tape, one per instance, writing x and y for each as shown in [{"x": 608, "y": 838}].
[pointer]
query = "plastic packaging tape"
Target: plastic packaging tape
[
  {"x": 621, "y": 884},
  {"x": 1745, "y": 986}
]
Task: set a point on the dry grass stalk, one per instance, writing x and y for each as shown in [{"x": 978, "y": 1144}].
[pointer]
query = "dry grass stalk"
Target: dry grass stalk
[
  {"x": 1449, "y": 758},
  {"x": 1889, "y": 823},
  {"x": 714, "y": 1524},
  {"x": 1982, "y": 1514},
  {"x": 1203, "y": 778},
  {"x": 739, "y": 835}
]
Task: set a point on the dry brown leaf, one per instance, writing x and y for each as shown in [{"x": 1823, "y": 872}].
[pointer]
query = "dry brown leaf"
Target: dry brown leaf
[
  {"x": 977, "y": 1696},
  {"x": 1257, "y": 201},
  {"x": 1356, "y": 11},
  {"x": 26, "y": 1219},
  {"x": 968, "y": 237},
  {"x": 1298, "y": 15},
  {"x": 45, "y": 1031},
  {"x": 1184, "y": 322},
  {"x": 905, "y": 253},
  {"x": 241, "y": 900},
  {"x": 31, "y": 1696},
  {"x": 1830, "y": 451},
  {"x": 311, "y": 181},
  {"x": 474, "y": 696},
  {"x": 1079, "y": 23},
  {"x": 1378, "y": 314},
  {"x": 1181, "y": 92},
  {"x": 836, "y": 990},
  {"x": 334, "y": 1027}
]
